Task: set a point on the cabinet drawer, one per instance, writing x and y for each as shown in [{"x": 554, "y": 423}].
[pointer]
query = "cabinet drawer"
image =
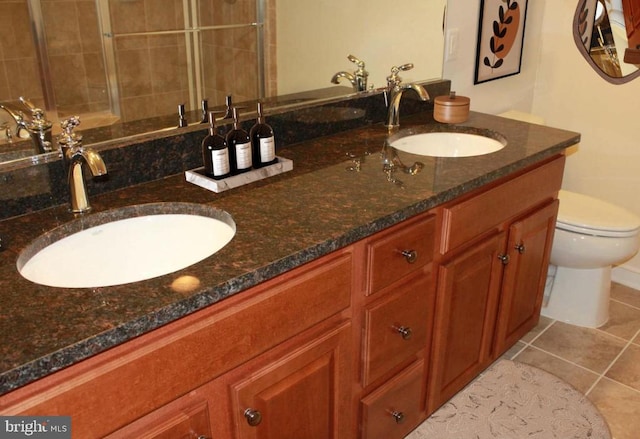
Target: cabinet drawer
[
  {"x": 465, "y": 220},
  {"x": 397, "y": 326},
  {"x": 399, "y": 250},
  {"x": 395, "y": 409}
]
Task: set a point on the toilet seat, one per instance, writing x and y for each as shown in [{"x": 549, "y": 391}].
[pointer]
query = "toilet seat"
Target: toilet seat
[{"x": 590, "y": 216}]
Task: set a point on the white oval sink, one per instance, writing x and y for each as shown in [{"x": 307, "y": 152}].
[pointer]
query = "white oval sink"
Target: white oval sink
[
  {"x": 126, "y": 245},
  {"x": 448, "y": 144}
]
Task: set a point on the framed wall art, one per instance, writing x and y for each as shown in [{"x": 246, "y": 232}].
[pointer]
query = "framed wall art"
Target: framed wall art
[{"x": 500, "y": 39}]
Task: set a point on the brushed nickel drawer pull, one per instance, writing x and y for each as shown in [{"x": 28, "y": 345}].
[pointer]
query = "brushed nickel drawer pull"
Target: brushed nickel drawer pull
[
  {"x": 253, "y": 417},
  {"x": 504, "y": 259},
  {"x": 404, "y": 331},
  {"x": 410, "y": 255},
  {"x": 398, "y": 417},
  {"x": 520, "y": 247}
]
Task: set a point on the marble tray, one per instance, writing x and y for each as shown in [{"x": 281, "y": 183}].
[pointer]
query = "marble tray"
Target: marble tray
[{"x": 197, "y": 176}]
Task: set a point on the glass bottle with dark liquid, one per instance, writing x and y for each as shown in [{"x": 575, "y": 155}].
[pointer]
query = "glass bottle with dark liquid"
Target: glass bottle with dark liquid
[
  {"x": 262, "y": 142},
  {"x": 239, "y": 146},
  {"x": 215, "y": 153}
]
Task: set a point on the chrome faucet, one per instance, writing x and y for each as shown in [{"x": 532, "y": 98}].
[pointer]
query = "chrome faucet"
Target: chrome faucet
[
  {"x": 394, "y": 92},
  {"x": 358, "y": 78},
  {"x": 74, "y": 155},
  {"x": 18, "y": 119},
  {"x": 38, "y": 127}
]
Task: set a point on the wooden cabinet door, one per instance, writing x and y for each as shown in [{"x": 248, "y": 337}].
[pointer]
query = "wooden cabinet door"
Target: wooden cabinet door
[
  {"x": 524, "y": 277},
  {"x": 466, "y": 307},
  {"x": 306, "y": 394}
]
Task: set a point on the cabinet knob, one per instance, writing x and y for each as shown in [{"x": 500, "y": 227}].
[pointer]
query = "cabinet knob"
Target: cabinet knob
[
  {"x": 398, "y": 417},
  {"x": 404, "y": 331},
  {"x": 504, "y": 259},
  {"x": 253, "y": 417},
  {"x": 520, "y": 247},
  {"x": 410, "y": 255}
]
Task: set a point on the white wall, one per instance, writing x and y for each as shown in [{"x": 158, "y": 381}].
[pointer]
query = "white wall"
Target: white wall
[
  {"x": 513, "y": 92},
  {"x": 557, "y": 84},
  {"x": 571, "y": 95},
  {"x": 380, "y": 33}
]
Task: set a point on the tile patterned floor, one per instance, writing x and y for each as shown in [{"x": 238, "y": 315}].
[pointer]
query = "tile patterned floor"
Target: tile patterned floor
[{"x": 603, "y": 363}]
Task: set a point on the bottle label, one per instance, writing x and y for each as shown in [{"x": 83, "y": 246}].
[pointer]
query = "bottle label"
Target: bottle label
[
  {"x": 267, "y": 149},
  {"x": 243, "y": 155},
  {"x": 220, "y": 161}
]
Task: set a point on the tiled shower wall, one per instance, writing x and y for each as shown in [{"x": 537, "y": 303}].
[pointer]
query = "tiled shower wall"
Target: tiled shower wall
[
  {"x": 230, "y": 55},
  {"x": 75, "y": 56},
  {"x": 18, "y": 62},
  {"x": 74, "y": 51},
  {"x": 151, "y": 70}
]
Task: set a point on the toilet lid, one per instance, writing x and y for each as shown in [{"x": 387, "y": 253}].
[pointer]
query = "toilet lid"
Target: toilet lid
[{"x": 583, "y": 214}]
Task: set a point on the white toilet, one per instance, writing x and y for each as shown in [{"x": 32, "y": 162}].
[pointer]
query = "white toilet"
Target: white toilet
[{"x": 590, "y": 237}]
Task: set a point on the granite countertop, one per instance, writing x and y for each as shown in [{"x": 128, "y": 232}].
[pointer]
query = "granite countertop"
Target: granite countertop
[{"x": 282, "y": 222}]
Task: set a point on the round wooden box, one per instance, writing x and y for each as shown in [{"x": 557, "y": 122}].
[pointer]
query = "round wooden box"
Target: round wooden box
[{"x": 451, "y": 109}]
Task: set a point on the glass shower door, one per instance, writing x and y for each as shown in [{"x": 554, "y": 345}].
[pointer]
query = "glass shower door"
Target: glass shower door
[{"x": 160, "y": 53}]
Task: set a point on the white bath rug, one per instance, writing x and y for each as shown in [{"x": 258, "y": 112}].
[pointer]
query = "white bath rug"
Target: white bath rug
[{"x": 512, "y": 400}]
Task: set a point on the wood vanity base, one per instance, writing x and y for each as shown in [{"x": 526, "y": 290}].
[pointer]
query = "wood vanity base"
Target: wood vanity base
[{"x": 363, "y": 342}]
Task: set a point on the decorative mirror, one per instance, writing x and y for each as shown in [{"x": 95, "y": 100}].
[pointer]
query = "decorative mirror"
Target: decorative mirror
[{"x": 607, "y": 34}]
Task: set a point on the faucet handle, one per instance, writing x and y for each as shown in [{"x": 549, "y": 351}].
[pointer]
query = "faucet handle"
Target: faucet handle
[
  {"x": 37, "y": 114},
  {"x": 394, "y": 80},
  {"x": 405, "y": 67},
  {"x": 68, "y": 138},
  {"x": 361, "y": 75},
  {"x": 27, "y": 103},
  {"x": 68, "y": 125},
  {"x": 356, "y": 61},
  {"x": 38, "y": 121}
]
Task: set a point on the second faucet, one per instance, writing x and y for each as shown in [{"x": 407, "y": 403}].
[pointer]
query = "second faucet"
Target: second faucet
[{"x": 395, "y": 89}]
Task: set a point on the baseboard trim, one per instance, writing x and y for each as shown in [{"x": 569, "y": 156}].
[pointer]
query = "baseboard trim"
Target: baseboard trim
[{"x": 627, "y": 276}]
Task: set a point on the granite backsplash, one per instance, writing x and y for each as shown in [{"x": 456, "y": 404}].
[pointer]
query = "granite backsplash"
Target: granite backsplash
[{"x": 43, "y": 185}]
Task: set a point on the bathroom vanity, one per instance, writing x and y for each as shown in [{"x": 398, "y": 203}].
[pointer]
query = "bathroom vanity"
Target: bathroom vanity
[{"x": 349, "y": 304}]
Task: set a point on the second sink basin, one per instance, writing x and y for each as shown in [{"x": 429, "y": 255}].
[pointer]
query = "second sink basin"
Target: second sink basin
[
  {"x": 460, "y": 142},
  {"x": 126, "y": 245}
]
